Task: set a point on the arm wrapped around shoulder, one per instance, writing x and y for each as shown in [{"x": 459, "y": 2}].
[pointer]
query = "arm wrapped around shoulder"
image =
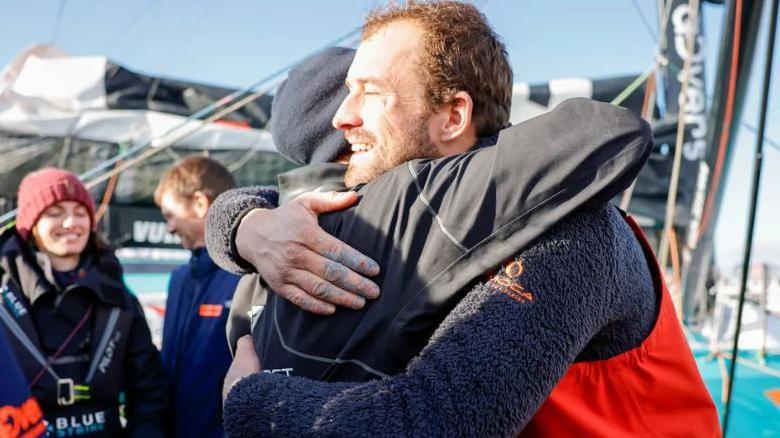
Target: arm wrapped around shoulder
[{"x": 223, "y": 219}]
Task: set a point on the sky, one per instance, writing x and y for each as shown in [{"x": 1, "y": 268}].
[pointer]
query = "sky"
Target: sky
[{"x": 237, "y": 42}]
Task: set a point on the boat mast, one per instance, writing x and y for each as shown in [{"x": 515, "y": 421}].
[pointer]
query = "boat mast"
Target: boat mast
[
  {"x": 737, "y": 49},
  {"x": 758, "y": 159}
]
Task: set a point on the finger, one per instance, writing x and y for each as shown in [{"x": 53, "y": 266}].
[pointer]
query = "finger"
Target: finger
[
  {"x": 301, "y": 299},
  {"x": 338, "y": 275},
  {"x": 244, "y": 344},
  {"x": 246, "y": 354},
  {"x": 245, "y": 349},
  {"x": 338, "y": 251},
  {"x": 319, "y": 203},
  {"x": 325, "y": 290}
]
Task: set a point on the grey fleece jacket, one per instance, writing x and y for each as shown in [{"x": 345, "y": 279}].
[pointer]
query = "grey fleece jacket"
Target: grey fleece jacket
[{"x": 494, "y": 359}]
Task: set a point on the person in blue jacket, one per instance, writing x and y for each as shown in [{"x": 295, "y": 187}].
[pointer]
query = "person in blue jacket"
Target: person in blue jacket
[
  {"x": 194, "y": 350},
  {"x": 20, "y": 414}
]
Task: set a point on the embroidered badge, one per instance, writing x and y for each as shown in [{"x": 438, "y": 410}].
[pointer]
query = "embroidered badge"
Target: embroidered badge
[
  {"x": 507, "y": 281},
  {"x": 210, "y": 310}
]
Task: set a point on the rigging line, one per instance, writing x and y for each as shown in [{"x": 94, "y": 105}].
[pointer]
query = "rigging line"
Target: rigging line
[
  {"x": 107, "y": 195},
  {"x": 648, "y": 105},
  {"x": 244, "y": 159},
  {"x": 659, "y": 61},
  {"x": 646, "y": 24},
  {"x": 129, "y": 26},
  {"x": 676, "y": 271},
  {"x": 632, "y": 86},
  {"x": 222, "y": 102},
  {"x": 663, "y": 15},
  {"x": 58, "y": 21},
  {"x": 671, "y": 200},
  {"x": 169, "y": 142},
  {"x": 193, "y": 23},
  {"x": 755, "y": 186},
  {"x": 172, "y": 154},
  {"x": 752, "y": 364},
  {"x": 664, "y": 12},
  {"x": 724, "y": 376},
  {"x": 728, "y": 116},
  {"x": 767, "y": 140}
]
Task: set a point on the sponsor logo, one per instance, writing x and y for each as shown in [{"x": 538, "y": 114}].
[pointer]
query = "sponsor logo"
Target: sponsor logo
[
  {"x": 507, "y": 281},
  {"x": 153, "y": 232},
  {"x": 285, "y": 371},
  {"x": 12, "y": 302},
  {"x": 77, "y": 425},
  {"x": 24, "y": 420},
  {"x": 105, "y": 361},
  {"x": 210, "y": 310},
  {"x": 694, "y": 98}
]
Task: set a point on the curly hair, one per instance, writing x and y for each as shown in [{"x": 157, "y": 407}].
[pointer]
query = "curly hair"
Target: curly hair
[{"x": 461, "y": 52}]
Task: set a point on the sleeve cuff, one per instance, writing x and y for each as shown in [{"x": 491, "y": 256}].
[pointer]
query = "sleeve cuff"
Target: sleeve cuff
[{"x": 223, "y": 219}]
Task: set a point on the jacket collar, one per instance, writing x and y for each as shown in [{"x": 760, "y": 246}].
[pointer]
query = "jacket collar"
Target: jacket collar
[
  {"x": 101, "y": 272},
  {"x": 488, "y": 140},
  {"x": 200, "y": 263},
  {"x": 320, "y": 177}
]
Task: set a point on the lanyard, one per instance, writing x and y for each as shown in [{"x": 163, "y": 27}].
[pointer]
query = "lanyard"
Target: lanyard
[
  {"x": 65, "y": 386},
  {"x": 62, "y": 347}
]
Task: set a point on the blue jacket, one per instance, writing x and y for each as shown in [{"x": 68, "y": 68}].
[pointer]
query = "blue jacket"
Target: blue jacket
[
  {"x": 195, "y": 352},
  {"x": 22, "y": 416}
]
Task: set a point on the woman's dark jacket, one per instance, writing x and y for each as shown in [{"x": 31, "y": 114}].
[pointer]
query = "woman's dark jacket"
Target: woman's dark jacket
[{"x": 82, "y": 342}]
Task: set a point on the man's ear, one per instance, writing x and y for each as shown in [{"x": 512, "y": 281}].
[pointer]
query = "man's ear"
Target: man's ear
[
  {"x": 456, "y": 133},
  {"x": 200, "y": 203}
]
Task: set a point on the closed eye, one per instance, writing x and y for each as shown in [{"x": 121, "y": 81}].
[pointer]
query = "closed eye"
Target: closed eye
[{"x": 53, "y": 212}]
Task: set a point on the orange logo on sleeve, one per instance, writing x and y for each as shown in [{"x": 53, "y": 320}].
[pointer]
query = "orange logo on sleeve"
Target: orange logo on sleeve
[
  {"x": 507, "y": 281},
  {"x": 210, "y": 310},
  {"x": 24, "y": 421}
]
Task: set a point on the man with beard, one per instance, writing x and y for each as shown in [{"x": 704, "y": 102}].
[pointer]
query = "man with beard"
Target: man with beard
[{"x": 580, "y": 305}]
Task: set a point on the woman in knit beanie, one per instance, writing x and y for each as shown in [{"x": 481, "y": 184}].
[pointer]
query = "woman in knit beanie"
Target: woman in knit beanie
[
  {"x": 79, "y": 335},
  {"x": 56, "y": 213}
]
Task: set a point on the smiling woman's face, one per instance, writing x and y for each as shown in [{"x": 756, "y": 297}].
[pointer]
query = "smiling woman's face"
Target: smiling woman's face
[{"x": 63, "y": 229}]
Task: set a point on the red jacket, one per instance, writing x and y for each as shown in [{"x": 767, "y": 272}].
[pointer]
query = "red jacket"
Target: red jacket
[{"x": 616, "y": 397}]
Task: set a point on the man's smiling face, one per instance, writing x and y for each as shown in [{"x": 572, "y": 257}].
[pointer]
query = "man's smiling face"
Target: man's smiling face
[{"x": 385, "y": 116}]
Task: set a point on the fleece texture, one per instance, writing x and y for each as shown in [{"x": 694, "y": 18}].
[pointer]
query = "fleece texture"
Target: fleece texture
[
  {"x": 494, "y": 359},
  {"x": 225, "y": 216}
]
